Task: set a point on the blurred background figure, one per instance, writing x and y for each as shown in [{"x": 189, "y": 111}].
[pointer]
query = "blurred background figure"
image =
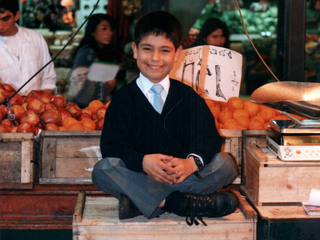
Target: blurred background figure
[
  {"x": 43, "y": 20},
  {"x": 97, "y": 45},
  {"x": 213, "y": 32}
]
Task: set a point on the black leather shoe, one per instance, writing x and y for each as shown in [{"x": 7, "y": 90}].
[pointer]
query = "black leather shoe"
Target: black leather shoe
[
  {"x": 214, "y": 205},
  {"x": 127, "y": 209}
]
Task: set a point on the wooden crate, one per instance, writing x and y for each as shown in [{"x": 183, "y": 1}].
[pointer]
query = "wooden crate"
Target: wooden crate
[
  {"x": 97, "y": 218},
  {"x": 16, "y": 160},
  {"x": 232, "y": 143},
  {"x": 68, "y": 157},
  {"x": 252, "y": 136},
  {"x": 270, "y": 180}
]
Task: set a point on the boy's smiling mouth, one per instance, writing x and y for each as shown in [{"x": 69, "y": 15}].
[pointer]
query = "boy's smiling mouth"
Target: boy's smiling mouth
[{"x": 154, "y": 67}]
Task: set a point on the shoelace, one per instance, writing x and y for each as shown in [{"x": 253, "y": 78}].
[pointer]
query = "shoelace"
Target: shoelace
[{"x": 196, "y": 210}]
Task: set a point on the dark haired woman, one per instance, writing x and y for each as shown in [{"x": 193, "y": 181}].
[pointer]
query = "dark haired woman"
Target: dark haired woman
[
  {"x": 97, "y": 45},
  {"x": 213, "y": 32}
]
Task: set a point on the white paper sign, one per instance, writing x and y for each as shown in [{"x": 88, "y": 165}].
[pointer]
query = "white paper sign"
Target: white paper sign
[
  {"x": 213, "y": 72},
  {"x": 102, "y": 72}
]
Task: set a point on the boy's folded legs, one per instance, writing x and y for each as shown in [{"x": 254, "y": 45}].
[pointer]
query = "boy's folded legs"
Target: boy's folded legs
[{"x": 139, "y": 191}]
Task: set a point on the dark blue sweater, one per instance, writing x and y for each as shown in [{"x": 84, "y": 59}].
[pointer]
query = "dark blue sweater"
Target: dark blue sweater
[{"x": 132, "y": 128}]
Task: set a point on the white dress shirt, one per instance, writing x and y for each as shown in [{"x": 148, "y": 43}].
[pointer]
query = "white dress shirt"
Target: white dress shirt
[
  {"x": 145, "y": 86},
  {"x": 18, "y": 65}
]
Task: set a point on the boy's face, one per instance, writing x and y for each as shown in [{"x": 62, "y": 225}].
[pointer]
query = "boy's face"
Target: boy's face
[
  {"x": 155, "y": 56},
  {"x": 7, "y": 23}
]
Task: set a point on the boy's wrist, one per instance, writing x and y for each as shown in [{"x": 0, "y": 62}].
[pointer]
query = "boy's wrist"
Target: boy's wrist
[{"x": 197, "y": 160}]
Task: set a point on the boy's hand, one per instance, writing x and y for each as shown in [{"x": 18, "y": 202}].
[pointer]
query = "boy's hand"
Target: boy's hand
[
  {"x": 184, "y": 168},
  {"x": 156, "y": 166}
]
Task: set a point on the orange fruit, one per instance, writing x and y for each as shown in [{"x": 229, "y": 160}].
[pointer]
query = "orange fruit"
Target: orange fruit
[
  {"x": 241, "y": 127},
  {"x": 215, "y": 112},
  {"x": 261, "y": 119},
  {"x": 77, "y": 126},
  {"x": 87, "y": 110},
  {"x": 67, "y": 121},
  {"x": 225, "y": 115},
  {"x": 62, "y": 128},
  {"x": 223, "y": 105},
  {"x": 230, "y": 124},
  {"x": 243, "y": 121},
  {"x": 256, "y": 124},
  {"x": 94, "y": 105},
  {"x": 210, "y": 103},
  {"x": 234, "y": 103},
  {"x": 240, "y": 112},
  {"x": 252, "y": 108},
  {"x": 267, "y": 113},
  {"x": 88, "y": 123}
]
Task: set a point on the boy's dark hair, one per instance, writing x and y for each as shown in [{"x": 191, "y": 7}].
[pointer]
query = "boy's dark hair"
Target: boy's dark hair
[
  {"x": 158, "y": 23},
  {"x": 10, "y": 5}
]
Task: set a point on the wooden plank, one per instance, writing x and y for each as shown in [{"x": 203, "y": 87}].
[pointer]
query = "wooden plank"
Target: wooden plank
[
  {"x": 257, "y": 154},
  {"x": 16, "y": 185},
  {"x": 287, "y": 184},
  {"x": 26, "y": 158},
  {"x": 10, "y": 152},
  {"x": 74, "y": 167},
  {"x": 252, "y": 176},
  {"x": 78, "y": 147},
  {"x": 79, "y": 181},
  {"x": 16, "y": 137},
  {"x": 100, "y": 221},
  {"x": 10, "y": 172},
  {"x": 227, "y": 133},
  {"x": 78, "y": 212},
  {"x": 48, "y": 156},
  {"x": 72, "y": 134},
  {"x": 282, "y": 211}
]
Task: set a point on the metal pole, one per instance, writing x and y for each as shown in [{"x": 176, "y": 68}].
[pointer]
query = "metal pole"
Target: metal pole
[{"x": 291, "y": 40}]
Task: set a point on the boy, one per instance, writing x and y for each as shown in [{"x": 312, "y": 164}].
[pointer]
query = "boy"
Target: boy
[
  {"x": 152, "y": 152},
  {"x": 23, "y": 53}
]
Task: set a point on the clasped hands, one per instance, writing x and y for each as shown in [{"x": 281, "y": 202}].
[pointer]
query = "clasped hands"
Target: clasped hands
[{"x": 168, "y": 169}]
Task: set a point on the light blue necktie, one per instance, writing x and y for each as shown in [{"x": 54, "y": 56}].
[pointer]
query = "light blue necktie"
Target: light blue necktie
[{"x": 157, "y": 99}]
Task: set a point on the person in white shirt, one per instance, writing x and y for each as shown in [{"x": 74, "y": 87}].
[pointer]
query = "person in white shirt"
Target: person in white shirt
[{"x": 23, "y": 53}]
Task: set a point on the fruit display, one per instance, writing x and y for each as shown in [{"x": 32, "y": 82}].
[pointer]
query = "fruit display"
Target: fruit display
[
  {"x": 239, "y": 114},
  {"x": 39, "y": 111}
]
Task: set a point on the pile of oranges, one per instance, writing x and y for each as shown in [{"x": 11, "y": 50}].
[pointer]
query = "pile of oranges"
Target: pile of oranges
[{"x": 239, "y": 114}]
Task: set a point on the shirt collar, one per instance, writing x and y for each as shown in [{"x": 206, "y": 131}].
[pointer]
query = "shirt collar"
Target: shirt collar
[{"x": 145, "y": 84}]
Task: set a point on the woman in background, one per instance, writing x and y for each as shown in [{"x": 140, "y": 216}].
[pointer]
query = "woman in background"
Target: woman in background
[
  {"x": 213, "y": 32},
  {"x": 97, "y": 45}
]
